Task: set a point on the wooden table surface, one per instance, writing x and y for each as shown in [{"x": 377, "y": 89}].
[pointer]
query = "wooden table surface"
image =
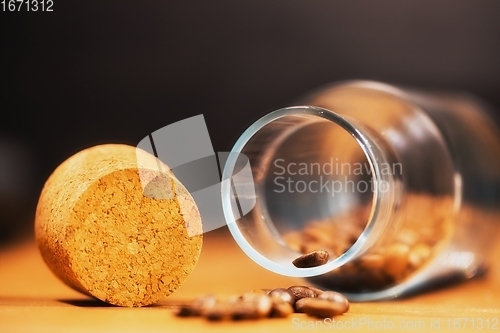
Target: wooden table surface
[{"x": 33, "y": 300}]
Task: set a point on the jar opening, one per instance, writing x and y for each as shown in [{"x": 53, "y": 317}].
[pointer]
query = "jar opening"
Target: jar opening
[{"x": 315, "y": 179}]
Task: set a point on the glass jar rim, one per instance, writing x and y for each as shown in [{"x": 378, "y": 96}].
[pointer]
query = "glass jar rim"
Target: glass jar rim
[{"x": 373, "y": 155}]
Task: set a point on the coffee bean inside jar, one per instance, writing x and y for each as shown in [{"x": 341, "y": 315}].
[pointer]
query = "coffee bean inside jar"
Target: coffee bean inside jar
[{"x": 391, "y": 262}]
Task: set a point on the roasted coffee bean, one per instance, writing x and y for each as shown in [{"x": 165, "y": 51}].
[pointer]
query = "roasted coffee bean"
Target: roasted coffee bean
[
  {"x": 398, "y": 255},
  {"x": 204, "y": 302},
  {"x": 396, "y": 260},
  {"x": 252, "y": 306},
  {"x": 312, "y": 259},
  {"x": 418, "y": 255},
  {"x": 299, "y": 304},
  {"x": 283, "y": 294},
  {"x": 300, "y": 292},
  {"x": 219, "y": 311},
  {"x": 372, "y": 261},
  {"x": 280, "y": 308},
  {"x": 186, "y": 310},
  {"x": 408, "y": 237},
  {"x": 321, "y": 308},
  {"x": 243, "y": 310},
  {"x": 335, "y": 297},
  {"x": 263, "y": 305}
]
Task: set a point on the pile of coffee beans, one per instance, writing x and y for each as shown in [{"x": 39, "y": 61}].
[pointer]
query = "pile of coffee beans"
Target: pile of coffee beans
[
  {"x": 330, "y": 235},
  {"x": 392, "y": 261},
  {"x": 267, "y": 303}
]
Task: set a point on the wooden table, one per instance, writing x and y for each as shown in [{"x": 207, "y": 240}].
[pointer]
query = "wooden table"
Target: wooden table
[{"x": 33, "y": 300}]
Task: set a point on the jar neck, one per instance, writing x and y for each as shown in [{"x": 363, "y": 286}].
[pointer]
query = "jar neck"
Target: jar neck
[{"x": 306, "y": 145}]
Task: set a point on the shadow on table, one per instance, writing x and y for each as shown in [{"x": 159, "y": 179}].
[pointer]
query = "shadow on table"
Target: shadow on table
[
  {"x": 95, "y": 303},
  {"x": 86, "y": 303}
]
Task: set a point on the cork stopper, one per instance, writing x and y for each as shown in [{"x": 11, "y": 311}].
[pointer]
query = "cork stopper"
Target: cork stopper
[{"x": 113, "y": 222}]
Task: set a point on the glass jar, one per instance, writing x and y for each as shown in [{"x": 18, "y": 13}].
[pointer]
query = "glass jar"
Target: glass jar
[{"x": 401, "y": 187}]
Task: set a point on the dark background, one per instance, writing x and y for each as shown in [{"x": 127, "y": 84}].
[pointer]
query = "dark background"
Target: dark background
[{"x": 95, "y": 72}]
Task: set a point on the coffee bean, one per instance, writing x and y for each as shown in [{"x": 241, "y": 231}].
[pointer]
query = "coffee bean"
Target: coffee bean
[
  {"x": 408, "y": 237},
  {"x": 311, "y": 259},
  {"x": 219, "y": 311},
  {"x": 283, "y": 294},
  {"x": 398, "y": 254},
  {"x": 396, "y": 260},
  {"x": 422, "y": 249},
  {"x": 299, "y": 304},
  {"x": 243, "y": 310},
  {"x": 186, "y": 310},
  {"x": 300, "y": 292},
  {"x": 372, "y": 261},
  {"x": 252, "y": 306},
  {"x": 321, "y": 308},
  {"x": 263, "y": 305},
  {"x": 280, "y": 308},
  {"x": 204, "y": 302},
  {"x": 419, "y": 253},
  {"x": 336, "y": 297}
]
